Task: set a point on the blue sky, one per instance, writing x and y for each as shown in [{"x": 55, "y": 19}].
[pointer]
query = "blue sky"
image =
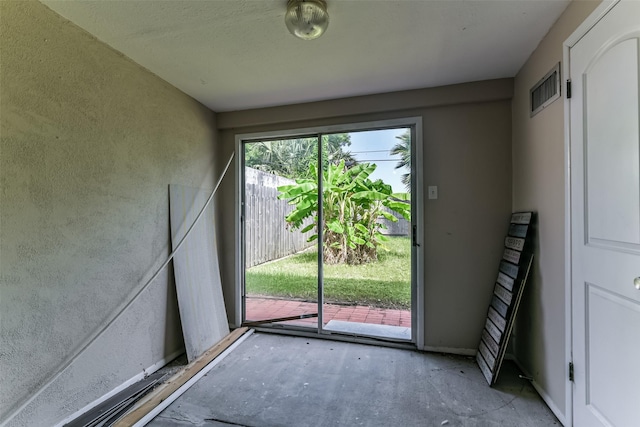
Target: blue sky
[{"x": 373, "y": 147}]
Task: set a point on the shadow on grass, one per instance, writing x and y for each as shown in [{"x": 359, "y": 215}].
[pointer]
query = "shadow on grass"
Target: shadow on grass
[{"x": 311, "y": 255}]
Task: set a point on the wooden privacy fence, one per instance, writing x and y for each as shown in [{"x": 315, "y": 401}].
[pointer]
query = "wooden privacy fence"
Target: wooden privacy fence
[
  {"x": 266, "y": 234},
  {"x": 400, "y": 228}
]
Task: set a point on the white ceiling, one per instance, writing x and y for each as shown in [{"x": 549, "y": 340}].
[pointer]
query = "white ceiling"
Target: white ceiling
[{"x": 237, "y": 54}]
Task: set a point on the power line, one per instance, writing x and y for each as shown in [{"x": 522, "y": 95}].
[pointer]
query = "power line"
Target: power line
[
  {"x": 378, "y": 160},
  {"x": 370, "y": 151}
]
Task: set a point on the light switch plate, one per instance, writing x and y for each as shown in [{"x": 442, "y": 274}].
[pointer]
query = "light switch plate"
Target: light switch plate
[{"x": 433, "y": 192}]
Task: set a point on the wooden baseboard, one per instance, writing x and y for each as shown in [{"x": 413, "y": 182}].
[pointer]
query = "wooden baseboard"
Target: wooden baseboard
[
  {"x": 149, "y": 402},
  {"x": 150, "y": 370}
]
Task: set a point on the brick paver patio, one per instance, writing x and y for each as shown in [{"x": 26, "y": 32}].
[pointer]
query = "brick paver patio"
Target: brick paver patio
[{"x": 270, "y": 308}]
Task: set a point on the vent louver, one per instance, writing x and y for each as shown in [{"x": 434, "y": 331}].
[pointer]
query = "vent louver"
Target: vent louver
[{"x": 545, "y": 91}]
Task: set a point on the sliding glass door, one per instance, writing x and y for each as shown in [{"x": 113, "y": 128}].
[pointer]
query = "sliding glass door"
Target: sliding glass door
[{"x": 328, "y": 232}]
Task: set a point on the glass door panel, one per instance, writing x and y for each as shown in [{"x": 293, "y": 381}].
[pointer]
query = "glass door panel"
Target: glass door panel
[
  {"x": 366, "y": 272},
  {"x": 280, "y": 253}
]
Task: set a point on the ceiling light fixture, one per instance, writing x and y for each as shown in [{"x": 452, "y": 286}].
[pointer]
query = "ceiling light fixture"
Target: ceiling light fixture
[{"x": 307, "y": 19}]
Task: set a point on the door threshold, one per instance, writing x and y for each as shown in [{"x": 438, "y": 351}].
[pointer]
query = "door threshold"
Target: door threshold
[
  {"x": 369, "y": 329},
  {"x": 302, "y": 331}
]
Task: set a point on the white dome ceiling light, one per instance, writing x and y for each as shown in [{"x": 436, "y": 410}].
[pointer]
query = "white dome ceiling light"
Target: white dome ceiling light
[{"x": 307, "y": 19}]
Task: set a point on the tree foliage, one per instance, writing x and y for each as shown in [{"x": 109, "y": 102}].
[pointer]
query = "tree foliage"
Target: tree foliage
[
  {"x": 403, "y": 149},
  {"x": 353, "y": 204},
  {"x": 291, "y": 158}
]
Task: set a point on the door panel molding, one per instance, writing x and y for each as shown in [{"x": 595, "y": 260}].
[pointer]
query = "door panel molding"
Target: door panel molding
[
  {"x": 624, "y": 247},
  {"x": 599, "y": 300}
]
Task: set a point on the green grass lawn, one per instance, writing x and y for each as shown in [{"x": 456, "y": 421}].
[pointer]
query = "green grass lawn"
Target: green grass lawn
[{"x": 385, "y": 283}]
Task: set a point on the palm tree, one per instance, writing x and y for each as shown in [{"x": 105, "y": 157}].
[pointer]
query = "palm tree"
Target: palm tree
[{"x": 403, "y": 149}]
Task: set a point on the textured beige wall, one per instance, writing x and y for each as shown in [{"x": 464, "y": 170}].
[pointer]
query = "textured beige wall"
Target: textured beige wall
[
  {"x": 90, "y": 142},
  {"x": 467, "y": 154},
  {"x": 488, "y": 90},
  {"x": 538, "y": 184}
]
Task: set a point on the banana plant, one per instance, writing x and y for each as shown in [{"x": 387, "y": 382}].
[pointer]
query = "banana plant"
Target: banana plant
[{"x": 353, "y": 205}]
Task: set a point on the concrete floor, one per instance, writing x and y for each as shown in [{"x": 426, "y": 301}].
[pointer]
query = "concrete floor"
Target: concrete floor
[{"x": 277, "y": 380}]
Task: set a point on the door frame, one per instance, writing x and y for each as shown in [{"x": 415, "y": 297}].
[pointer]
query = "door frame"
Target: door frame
[
  {"x": 600, "y": 11},
  {"x": 417, "y": 288}
]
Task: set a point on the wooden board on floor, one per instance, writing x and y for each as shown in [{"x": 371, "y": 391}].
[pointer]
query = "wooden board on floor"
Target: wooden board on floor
[
  {"x": 197, "y": 273},
  {"x": 178, "y": 380}
]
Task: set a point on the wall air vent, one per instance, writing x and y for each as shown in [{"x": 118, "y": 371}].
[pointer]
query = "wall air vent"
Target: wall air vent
[{"x": 545, "y": 91}]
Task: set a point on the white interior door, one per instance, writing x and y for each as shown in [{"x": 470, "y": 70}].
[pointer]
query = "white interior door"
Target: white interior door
[{"x": 605, "y": 209}]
